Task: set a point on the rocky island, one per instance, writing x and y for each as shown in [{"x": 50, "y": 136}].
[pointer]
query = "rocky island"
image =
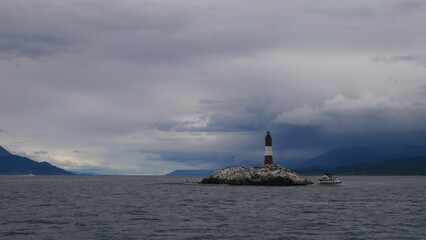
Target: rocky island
[{"x": 270, "y": 174}]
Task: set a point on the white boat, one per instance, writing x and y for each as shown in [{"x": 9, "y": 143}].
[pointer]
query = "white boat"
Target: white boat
[{"x": 328, "y": 178}]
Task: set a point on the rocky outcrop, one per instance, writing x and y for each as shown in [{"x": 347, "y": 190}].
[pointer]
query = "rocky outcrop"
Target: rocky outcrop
[{"x": 263, "y": 175}]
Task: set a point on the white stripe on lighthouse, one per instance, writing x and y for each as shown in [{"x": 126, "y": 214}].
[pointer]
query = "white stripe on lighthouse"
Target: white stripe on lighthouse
[{"x": 268, "y": 151}]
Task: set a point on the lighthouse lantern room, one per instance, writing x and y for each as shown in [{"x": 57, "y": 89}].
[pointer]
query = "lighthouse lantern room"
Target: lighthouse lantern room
[{"x": 268, "y": 149}]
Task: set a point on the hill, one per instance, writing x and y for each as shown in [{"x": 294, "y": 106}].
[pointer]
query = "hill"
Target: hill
[
  {"x": 345, "y": 156},
  {"x": 396, "y": 166},
  {"x": 3, "y": 152},
  {"x": 15, "y": 165}
]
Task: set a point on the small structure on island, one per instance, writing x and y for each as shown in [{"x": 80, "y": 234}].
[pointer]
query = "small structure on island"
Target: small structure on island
[
  {"x": 268, "y": 174},
  {"x": 268, "y": 149}
]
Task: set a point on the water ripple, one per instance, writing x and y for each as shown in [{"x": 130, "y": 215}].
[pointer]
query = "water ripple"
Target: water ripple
[{"x": 114, "y": 207}]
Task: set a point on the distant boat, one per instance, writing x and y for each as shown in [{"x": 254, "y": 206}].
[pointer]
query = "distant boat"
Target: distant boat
[
  {"x": 30, "y": 175},
  {"x": 328, "y": 178}
]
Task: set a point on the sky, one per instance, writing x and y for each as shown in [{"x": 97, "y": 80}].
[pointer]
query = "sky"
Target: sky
[{"x": 147, "y": 87}]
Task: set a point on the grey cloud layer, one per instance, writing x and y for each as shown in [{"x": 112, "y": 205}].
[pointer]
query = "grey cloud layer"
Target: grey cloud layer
[
  {"x": 151, "y": 30},
  {"x": 149, "y": 86}
]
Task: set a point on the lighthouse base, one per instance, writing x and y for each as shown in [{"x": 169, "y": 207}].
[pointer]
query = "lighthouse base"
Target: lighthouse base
[{"x": 268, "y": 160}]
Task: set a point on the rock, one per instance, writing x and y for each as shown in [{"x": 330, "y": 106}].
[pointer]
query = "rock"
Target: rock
[{"x": 262, "y": 175}]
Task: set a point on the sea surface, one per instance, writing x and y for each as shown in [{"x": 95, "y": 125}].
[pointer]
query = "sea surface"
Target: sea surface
[{"x": 162, "y": 207}]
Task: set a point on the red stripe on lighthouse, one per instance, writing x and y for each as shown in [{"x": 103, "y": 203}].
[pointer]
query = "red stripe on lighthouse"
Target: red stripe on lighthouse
[{"x": 268, "y": 149}]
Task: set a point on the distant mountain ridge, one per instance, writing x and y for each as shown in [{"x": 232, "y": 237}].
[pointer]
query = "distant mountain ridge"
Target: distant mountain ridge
[
  {"x": 15, "y": 165},
  {"x": 190, "y": 173},
  {"x": 346, "y": 156},
  {"x": 396, "y": 166}
]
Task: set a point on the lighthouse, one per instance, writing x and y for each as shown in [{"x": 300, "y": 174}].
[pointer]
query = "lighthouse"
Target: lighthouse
[{"x": 268, "y": 149}]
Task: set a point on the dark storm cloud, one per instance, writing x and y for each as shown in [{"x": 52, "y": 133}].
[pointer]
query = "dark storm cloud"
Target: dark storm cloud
[{"x": 363, "y": 120}]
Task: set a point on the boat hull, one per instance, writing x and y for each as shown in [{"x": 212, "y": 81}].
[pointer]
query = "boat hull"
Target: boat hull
[{"x": 330, "y": 181}]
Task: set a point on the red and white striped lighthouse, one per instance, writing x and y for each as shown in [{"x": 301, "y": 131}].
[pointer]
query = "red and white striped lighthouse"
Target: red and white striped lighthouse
[{"x": 268, "y": 149}]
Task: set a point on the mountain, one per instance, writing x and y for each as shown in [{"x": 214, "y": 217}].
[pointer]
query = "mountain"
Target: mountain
[
  {"x": 356, "y": 155},
  {"x": 396, "y": 166},
  {"x": 3, "y": 152},
  {"x": 190, "y": 173},
  {"x": 15, "y": 165}
]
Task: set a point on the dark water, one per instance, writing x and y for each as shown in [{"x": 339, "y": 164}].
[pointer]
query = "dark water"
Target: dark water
[{"x": 143, "y": 207}]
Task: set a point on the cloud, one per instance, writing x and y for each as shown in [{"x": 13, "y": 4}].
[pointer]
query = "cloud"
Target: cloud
[
  {"x": 30, "y": 46},
  {"x": 218, "y": 122},
  {"x": 410, "y": 6},
  {"x": 148, "y": 86},
  {"x": 344, "y": 13},
  {"x": 70, "y": 27},
  {"x": 419, "y": 60},
  {"x": 363, "y": 114},
  {"x": 303, "y": 116},
  {"x": 79, "y": 151},
  {"x": 23, "y": 34},
  {"x": 41, "y": 152}
]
